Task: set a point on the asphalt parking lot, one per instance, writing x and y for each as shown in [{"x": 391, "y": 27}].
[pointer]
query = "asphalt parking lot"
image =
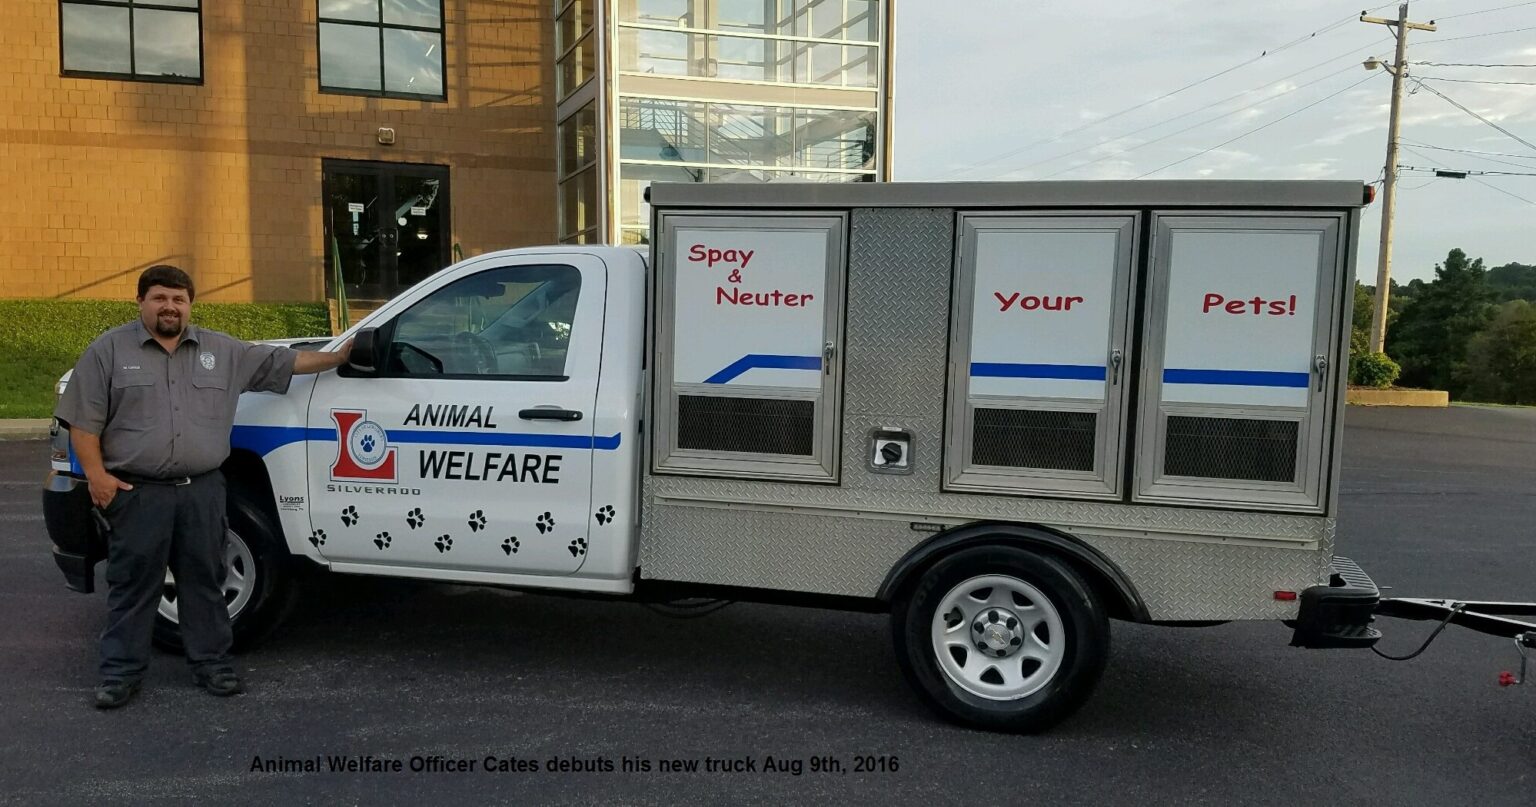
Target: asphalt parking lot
[{"x": 1436, "y": 503}]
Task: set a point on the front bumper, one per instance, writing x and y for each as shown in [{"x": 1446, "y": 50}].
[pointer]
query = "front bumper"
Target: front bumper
[
  {"x": 77, "y": 543},
  {"x": 1338, "y": 614}
]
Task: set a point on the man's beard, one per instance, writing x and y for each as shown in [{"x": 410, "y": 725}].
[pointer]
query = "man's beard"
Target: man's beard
[{"x": 168, "y": 326}]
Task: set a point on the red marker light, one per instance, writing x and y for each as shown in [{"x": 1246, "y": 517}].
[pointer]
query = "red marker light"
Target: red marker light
[
  {"x": 1370, "y": 193},
  {"x": 1285, "y": 596},
  {"x": 1507, "y": 679}
]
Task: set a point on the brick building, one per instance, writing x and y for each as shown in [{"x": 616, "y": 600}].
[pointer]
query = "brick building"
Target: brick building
[{"x": 261, "y": 143}]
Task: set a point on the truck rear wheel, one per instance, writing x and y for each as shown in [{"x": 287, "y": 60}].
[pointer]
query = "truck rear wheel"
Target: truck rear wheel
[
  {"x": 1002, "y": 639},
  {"x": 258, "y": 579}
]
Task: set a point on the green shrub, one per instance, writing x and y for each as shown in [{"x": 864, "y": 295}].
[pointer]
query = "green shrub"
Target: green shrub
[
  {"x": 40, "y": 339},
  {"x": 1376, "y": 370}
]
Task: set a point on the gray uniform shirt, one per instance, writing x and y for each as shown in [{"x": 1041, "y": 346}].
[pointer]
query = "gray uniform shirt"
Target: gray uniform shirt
[{"x": 164, "y": 414}]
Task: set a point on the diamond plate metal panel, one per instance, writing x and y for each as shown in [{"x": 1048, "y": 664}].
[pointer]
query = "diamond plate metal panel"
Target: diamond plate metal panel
[
  {"x": 804, "y": 551},
  {"x": 1188, "y": 564}
]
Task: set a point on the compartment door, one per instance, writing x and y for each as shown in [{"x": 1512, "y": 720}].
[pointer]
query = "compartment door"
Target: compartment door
[
  {"x": 1039, "y": 353},
  {"x": 1240, "y": 380},
  {"x": 748, "y": 326}
]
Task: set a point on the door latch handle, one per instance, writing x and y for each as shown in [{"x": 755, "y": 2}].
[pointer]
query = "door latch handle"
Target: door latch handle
[
  {"x": 1116, "y": 358},
  {"x": 827, "y": 352},
  {"x": 1320, "y": 362},
  {"x": 549, "y": 413}
]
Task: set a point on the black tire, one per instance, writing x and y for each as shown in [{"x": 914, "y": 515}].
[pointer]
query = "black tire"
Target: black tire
[
  {"x": 272, "y": 585},
  {"x": 1084, "y": 626}
]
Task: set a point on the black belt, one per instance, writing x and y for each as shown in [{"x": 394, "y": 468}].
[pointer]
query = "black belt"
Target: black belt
[{"x": 174, "y": 481}]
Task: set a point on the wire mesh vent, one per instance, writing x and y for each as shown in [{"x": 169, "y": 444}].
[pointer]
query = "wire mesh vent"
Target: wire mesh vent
[
  {"x": 1026, "y": 438},
  {"x": 755, "y": 425},
  {"x": 1231, "y": 448}
]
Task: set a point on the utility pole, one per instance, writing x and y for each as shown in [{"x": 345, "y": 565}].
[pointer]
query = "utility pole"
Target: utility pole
[{"x": 1398, "y": 69}]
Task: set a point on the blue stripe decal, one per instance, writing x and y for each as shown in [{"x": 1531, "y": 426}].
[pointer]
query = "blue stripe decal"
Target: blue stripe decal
[
  {"x": 1075, "y": 372},
  {"x": 575, "y": 441},
  {"x": 265, "y": 439},
  {"x": 763, "y": 361},
  {"x": 1237, "y": 378}
]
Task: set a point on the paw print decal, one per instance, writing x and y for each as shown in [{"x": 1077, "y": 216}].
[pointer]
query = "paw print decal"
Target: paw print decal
[
  {"x": 578, "y": 547},
  {"x": 605, "y": 514},
  {"x": 545, "y": 523},
  {"x": 414, "y": 518},
  {"x": 510, "y": 546},
  {"x": 349, "y": 515},
  {"x": 477, "y": 521},
  {"x": 443, "y": 543},
  {"x": 317, "y": 538},
  {"x": 381, "y": 540},
  {"x": 366, "y": 444}
]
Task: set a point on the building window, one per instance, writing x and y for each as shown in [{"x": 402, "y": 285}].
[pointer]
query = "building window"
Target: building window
[
  {"x": 665, "y": 140},
  {"x": 580, "y": 209},
  {"x": 823, "y": 43},
  {"x": 160, "y": 40},
  {"x": 575, "y": 44},
  {"x": 392, "y": 48}
]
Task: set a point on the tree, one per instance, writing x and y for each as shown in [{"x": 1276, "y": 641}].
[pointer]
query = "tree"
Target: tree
[
  {"x": 1513, "y": 281},
  {"x": 1501, "y": 361},
  {"x": 1431, "y": 336}
]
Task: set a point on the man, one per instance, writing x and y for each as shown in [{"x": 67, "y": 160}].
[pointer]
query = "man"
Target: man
[{"x": 150, "y": 407}]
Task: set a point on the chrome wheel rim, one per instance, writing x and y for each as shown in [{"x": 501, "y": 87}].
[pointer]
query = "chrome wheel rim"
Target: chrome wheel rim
[
  {"x": 998, "y": 637},
  {"x": 239, "y": 579}
]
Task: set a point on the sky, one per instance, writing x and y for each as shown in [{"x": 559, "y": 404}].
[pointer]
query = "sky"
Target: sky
[{"x": 1188, "y": 89}]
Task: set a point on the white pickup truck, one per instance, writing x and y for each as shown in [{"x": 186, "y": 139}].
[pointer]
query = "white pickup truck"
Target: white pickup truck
[{"x": 1003, "y": 413}]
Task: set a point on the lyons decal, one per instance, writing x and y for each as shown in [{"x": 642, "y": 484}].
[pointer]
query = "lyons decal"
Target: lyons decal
[{"x": 363, "y": 453}]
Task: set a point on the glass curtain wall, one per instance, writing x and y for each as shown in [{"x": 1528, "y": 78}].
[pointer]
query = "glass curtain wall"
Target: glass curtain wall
[
  {"x": 576, "y": 137},
  {"x": 744, "y": 91}
]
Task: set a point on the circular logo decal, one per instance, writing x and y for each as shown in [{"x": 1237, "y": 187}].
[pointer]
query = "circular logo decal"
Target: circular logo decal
[
  {"x": 367, "y": 443},
  {"x": 207, "y": 360}
]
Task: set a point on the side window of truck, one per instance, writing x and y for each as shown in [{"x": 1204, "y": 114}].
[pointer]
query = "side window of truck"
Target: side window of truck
[{"x": 514, "y": 321}]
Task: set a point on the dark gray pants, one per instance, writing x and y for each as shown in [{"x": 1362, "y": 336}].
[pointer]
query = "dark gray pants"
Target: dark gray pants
[{"x": 153, "y": 525}]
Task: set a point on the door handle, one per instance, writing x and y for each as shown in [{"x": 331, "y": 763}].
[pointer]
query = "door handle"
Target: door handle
[
  {"x": 828, "y": 352},
  {"x": 549, "y": 413},
  {"x": 1116, "y": 358},
  {"x": 1321, "y": 363}
]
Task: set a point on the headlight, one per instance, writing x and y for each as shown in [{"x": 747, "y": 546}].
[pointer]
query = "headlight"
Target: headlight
[{"x": 58, "y": 388}]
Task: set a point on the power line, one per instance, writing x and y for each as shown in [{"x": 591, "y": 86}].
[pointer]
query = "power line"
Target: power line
[
  {"x": 1486, "y": 11},
  {"x": 1452, "y": 102},
  {"x": 1501, "y": 190},
  {"x": 1164, "y": 96},
  {"x": 1479, "y": 181},
  {"x": 1476, "y": 81},
  {"x": 1190, "y": 128},
  {"x": 1469, "y": 64},
  {"x": 1260, "y": 128},
  {"x": 1466, "y": 151},
  {"x": 1476, "y": 36},
  {"x": 1468, "y": 172},
  {"x": 1183, "y": 115}
]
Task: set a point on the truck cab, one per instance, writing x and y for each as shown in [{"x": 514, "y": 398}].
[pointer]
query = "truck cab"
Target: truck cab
[{"x": 480, "y": 435}]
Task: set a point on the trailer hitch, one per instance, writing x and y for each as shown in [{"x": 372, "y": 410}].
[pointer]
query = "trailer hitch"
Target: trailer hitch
[
  {"x": 1492, "y": 618},
  {"x": 1523, "y": 642}
]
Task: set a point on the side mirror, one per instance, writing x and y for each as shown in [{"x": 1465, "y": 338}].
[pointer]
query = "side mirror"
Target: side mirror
[{"x": 364, "y": 350}]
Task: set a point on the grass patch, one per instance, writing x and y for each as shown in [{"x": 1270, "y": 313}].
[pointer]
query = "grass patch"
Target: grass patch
[{"x": 40, "y": 339}]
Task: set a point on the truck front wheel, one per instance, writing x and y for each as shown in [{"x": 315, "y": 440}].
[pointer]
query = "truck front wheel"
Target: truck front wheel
[
  {"x": 258, "y": 579},
  {"x": 1000, "y": 638}
]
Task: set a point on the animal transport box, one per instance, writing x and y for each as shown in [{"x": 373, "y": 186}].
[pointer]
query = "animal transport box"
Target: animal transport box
[
  {"x": 1008, "y": 411},
  {"x": 841, "y": 374}
]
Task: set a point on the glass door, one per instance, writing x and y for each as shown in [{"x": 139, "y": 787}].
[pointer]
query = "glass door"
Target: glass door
[{"x": 387, "y": 224}]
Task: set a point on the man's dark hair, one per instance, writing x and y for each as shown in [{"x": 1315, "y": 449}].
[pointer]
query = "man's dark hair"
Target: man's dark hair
[{"x": 168, "y": 276}]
